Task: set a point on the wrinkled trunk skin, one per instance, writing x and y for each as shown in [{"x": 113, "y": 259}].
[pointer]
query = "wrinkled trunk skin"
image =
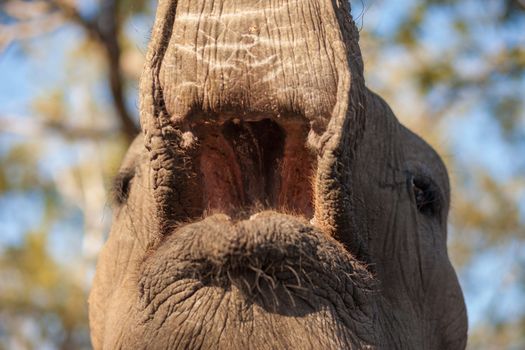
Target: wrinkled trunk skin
[{"x": 272, "y": 201}]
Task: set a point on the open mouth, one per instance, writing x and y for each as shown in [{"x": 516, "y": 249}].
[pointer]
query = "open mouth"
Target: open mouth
[{"x": 254, "y": 162}]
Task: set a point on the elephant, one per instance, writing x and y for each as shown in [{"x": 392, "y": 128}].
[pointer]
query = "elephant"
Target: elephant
[{"x": 271, "y": 200}]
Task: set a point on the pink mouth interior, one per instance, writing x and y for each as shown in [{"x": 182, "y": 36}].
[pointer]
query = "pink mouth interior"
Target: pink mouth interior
[{"x": 260, "y": 163}]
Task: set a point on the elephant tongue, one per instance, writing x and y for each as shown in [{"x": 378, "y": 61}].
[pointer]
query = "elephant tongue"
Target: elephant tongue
[{"x": 258, "y": 163}]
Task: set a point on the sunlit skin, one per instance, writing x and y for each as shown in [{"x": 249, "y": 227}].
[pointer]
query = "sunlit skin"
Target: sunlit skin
[{"x": 272, "y": 201}]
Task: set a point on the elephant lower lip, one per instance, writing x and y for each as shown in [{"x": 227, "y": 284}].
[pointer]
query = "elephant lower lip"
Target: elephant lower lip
[
  {"x": 260, "y": 163},
  {"x": 274, "y": 268},
  {"x": 217, "y": 251}
]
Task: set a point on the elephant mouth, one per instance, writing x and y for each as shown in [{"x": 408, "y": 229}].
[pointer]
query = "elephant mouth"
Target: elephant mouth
[{"x": 254, "y": 162}]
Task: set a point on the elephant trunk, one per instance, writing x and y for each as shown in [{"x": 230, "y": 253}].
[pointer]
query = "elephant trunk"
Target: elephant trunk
[{"x": 294, "y": 63}]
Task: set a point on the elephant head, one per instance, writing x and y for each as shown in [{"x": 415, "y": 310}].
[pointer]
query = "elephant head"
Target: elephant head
[{"x": 272, "y": 201}]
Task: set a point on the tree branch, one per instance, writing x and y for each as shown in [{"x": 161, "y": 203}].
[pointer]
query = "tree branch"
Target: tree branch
[
  {"x": 105, "y": 30},
  {"x": 32, "y": 19}
]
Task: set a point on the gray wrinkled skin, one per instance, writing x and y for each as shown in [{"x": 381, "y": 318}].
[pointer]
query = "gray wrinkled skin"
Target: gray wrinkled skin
[{"x": 272, "y": 201}]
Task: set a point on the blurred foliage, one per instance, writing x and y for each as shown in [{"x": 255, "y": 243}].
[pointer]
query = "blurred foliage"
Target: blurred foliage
[
  {"x": 439, "y": 63},
  {"x": 38, "y": 289}
]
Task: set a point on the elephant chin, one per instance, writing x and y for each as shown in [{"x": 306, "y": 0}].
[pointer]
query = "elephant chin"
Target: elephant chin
[{"x": 272, "y": 278}]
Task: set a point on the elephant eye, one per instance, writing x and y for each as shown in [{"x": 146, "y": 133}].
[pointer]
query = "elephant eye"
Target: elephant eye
[
  {"x": 426, "y": 195},
  {"x": 121, "y": 186}
]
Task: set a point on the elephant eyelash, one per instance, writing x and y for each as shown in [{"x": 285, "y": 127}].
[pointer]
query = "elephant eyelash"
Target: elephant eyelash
[
  {"x": 426, "y": 195},
  {"x": 121, "y": 187}
]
